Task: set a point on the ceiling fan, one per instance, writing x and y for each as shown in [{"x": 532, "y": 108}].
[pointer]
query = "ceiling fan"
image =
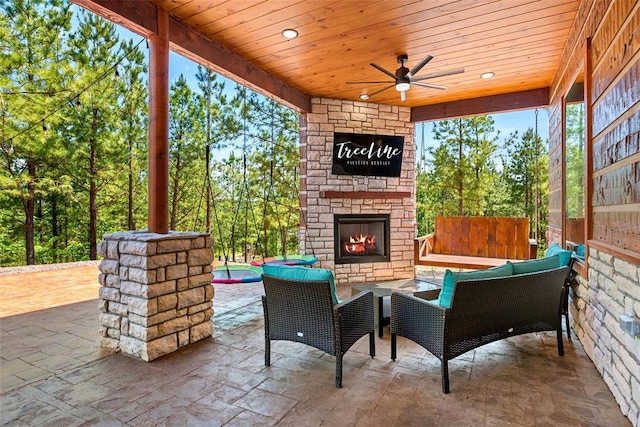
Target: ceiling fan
[{"x": 405, "y": 78}]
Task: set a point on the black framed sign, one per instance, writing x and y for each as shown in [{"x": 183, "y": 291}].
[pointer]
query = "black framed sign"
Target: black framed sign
[{"x": 366, "y": 154}]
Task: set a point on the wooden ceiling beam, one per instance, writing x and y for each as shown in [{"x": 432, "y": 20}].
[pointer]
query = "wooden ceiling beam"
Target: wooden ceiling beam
[
  {"x": 533, "y": 98},
  {"x": 141, "y": 17}
]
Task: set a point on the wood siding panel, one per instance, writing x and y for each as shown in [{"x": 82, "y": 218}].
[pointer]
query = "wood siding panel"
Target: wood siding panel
[
  {"x": 620, "y": 143},
  {"x": 608, "y": 59},
  {"x": 622, "y": 96},
  {"x": 619, "y": 229},
  {"x": 618, "y": 187}
]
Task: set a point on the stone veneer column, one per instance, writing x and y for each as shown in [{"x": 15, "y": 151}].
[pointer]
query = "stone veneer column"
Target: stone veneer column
[
  {"x": 156, "y": 292},
  {"x": 613, "y": 288},
  {"x": 316, "y": 154}
]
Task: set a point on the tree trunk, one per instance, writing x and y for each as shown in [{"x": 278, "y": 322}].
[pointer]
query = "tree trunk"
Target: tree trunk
[
  {"x": 130, "y": 223},
  {"x": 460, "y": 172},
  {"x": 93, "y": 209},
  {"x": 29, "y": 209},
  {"x": 54, "y": 226},
  {"x": 207, "y": 183},
  {"x": 174, "y": 193}
]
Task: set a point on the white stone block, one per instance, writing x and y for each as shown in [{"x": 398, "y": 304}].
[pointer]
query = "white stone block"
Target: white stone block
[
  {"x": 136, "y": 247},
  {"x": 143, "y": 333},
  {"x": 142, "y": 306},
  {"x": 110, "y": 320},
  {"x": 110, "y": 294},
  {"x": 109, "y": 266},
  {"x": 118, "y": 308},
  {"x": 133, "y": 288},
  {"x": 112, "y": 281},
  {"x": 141, "y": 275}
]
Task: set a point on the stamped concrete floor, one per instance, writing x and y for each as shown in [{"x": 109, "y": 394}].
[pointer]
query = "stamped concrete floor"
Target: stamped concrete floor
[{"x": 52, "y": 372}]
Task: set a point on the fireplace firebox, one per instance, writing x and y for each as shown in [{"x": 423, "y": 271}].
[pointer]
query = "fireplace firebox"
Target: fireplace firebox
[{"x": 361, "y": 238}]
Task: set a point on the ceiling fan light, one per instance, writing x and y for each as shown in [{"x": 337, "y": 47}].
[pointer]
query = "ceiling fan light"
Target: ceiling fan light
[
  {"x": 289, "y": 33},
  {"x": 364, "y": 96},
  {"x": 402, "y": 86},
  {"x": 487, "y": 75}
]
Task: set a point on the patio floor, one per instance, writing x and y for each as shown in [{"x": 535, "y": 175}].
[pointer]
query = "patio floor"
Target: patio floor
[{"x": 52, "y": 372}]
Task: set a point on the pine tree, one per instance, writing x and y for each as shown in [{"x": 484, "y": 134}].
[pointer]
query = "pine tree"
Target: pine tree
[
  {"x": 96, "y": 154},
  {"x": 186, "y": 142},
  {"x": 32, "y": 73}
]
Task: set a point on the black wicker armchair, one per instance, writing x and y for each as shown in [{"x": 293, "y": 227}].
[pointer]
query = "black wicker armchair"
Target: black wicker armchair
[
  {"x": 482, "y": 311},
  {"x": 303, "y": 311}
]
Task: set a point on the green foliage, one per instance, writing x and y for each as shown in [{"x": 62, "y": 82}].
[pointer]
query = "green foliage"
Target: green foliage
[{"x": 466, "y": 175}]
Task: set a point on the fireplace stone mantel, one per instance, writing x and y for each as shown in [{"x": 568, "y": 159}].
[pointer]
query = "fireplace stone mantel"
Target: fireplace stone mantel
[{"x": 330, "y": 194}]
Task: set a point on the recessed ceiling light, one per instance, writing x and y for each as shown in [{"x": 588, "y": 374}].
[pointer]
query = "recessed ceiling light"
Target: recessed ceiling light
[
  {"x": 364, "y": 96},
  {"x": 289, "y": 33},
  {"x": 487, "y": 75}
]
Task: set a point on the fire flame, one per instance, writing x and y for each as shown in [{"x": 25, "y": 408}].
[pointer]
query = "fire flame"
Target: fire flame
[{"x": 360, "y": 244}]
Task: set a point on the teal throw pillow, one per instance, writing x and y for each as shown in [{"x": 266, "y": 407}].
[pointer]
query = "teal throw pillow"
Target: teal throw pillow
[
  {"x": 564, "y": 255},
  {"x": 580, "y": 251},
  {"x": 294, "y": 272},
  {"x": 533, "y": 265},
  {"x": 450, "y": 279}
]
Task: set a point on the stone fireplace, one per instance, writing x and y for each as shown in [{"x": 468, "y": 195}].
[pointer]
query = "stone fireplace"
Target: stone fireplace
[{"x": 366, "y": 204}]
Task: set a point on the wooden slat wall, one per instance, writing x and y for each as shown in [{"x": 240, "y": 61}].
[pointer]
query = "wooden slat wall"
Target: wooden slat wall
[
  {"x": 613, "y": 27},
  {"x": 493, "y": 237}
]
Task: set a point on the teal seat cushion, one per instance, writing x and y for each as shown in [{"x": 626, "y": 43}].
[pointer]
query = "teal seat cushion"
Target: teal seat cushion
[
  {"x": 450, "y": 279},
  {"x": 533, "y": 265},
  {"x": 564, "y": 255},
  {"x": 294, "y": 272}
]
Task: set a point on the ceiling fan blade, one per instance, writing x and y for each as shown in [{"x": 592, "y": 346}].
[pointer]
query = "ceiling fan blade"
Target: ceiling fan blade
[
  {"x": 429, "y": 85},
  {"x": 403, "y": 95},
  {"x": 358, "y": 83},
  {"x": 382, "y": 90},
  {"x": 419, "y": 66},
  {"x": 438, "y": 74},
  {"x": 388, "y": 73}
]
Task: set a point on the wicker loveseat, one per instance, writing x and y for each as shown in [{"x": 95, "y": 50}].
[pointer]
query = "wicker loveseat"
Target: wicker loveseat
[
  {"x": 481, "y": 311},
  {"x": 303, "y": 311}
]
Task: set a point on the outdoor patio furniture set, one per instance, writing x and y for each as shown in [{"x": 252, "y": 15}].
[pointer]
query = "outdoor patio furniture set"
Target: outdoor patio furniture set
[{"x": 470, "y": 310}]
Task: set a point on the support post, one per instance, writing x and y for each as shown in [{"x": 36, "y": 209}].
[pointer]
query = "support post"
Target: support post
[{"x": 158, "y": 191}]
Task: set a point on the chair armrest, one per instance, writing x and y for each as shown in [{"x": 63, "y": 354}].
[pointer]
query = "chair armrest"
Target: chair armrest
[
  {"x": 354, "y": 318},
  {"x": 428, "y": 295},
  {"x": 419, "y": 320}
]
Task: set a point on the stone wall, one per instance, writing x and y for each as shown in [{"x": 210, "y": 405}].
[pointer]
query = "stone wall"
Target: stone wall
[
  {"x": 612, "y": 289},
  {"x": 156, "y": 292},
  {"x": 316, "y": 150}
]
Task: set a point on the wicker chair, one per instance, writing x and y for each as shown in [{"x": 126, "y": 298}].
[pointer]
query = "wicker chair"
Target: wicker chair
[
  {"x": 482, "y": 311},
  {"x": 303, "y": 311}
]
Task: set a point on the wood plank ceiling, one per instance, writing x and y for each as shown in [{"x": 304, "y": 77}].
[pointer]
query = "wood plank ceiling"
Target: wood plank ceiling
[{"x": 521, "y": 41}]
